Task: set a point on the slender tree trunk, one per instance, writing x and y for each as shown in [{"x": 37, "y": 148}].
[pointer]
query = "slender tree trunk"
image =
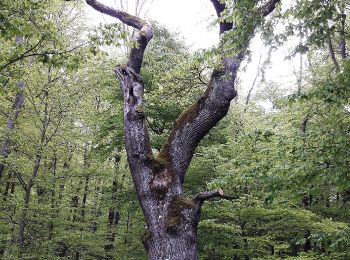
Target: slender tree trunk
[
  {"x": 23, "y": 219},
  {"x": 113, "y": 213},
  {"x": 17, "y": 106},
  {"x": 86, "y": 184},
  {"x": 39, "y": 153},
  {"x": 331, "y": 52},
  {"x": 29, "y": 186},
  {"x": 300, "y": 76},
  {"x": 83, "y": 206},
  {"x": 254, "y": 81},
  {"x": 53, "y": 195},
  {"x": 342, "y": 30}
]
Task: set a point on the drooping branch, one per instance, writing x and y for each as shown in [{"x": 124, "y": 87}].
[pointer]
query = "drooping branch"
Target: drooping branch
[{"x": 124, "y": 17}]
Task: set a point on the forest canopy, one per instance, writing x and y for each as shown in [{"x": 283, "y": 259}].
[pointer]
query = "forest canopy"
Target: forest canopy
[{"x": 120, "y": 141}]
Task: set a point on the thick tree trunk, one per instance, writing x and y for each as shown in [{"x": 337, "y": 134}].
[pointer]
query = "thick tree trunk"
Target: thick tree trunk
[
  {"x": 173, "y": 230},
  {"x": 171, "y": 218}
]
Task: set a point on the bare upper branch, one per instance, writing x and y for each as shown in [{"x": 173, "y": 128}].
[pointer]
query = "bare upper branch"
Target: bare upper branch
[
  {"x": 206, "y": 195},
  {"x": 144, "y": 36},
  {"x": 124, "y": 17}
]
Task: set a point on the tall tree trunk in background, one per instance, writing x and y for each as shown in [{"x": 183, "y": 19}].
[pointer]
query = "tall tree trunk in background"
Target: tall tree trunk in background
[
  {"x": 342, "y": 29},
  {"x": 171, "y": 218},
  {"x": 53, "y": 196},
  {"x": 39, "y": 153},
  {"x": 254, "y": 81},
  {"x": 332, "y": 53},
  {"x": 17, "y": 105},
  {"x": 113, "y": 213},
  {"x": 11, "y": 120},
  {"x": 86, "y": 183},
  {"x": 300, "y": 76}
]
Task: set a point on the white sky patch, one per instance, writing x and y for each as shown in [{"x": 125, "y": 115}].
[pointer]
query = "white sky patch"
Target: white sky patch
[{"x": 193, "y": 19}]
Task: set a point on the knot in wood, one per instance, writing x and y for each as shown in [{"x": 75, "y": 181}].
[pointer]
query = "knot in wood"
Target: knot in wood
[{"x": 161, "y": 182}]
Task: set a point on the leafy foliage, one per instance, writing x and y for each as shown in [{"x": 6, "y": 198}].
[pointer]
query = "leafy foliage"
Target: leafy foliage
[{"x": 64, "y": 170}]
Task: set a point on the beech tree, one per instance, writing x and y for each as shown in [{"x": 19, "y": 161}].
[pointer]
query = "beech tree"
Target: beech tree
[{"x": 171, "y": 217}]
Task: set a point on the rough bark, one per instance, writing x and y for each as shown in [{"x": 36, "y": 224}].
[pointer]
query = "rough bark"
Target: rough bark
[{"x": 171, "y": 218}]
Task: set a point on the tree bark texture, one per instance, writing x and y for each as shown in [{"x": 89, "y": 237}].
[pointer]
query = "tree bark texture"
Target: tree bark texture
[{"x": 172, "y": 218}]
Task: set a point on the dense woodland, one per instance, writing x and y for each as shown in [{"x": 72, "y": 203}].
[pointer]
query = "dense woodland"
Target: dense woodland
[{"x": 65, "y": 186}]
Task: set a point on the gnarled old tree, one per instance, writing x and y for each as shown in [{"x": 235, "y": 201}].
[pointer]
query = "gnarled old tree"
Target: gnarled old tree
[{"x": 171, "y": 218}]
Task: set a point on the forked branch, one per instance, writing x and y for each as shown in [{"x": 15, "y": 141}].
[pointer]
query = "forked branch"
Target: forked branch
[{"x": 192, "y": 125}]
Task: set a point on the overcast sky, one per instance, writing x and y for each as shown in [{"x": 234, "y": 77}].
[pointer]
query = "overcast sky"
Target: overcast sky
[
  {"x": 193, "y": 19},
  {"x": 190, "y": 17}
]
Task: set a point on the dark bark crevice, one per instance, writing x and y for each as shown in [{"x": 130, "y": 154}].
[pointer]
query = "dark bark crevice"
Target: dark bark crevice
[{"x": 304, "y": 125}]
